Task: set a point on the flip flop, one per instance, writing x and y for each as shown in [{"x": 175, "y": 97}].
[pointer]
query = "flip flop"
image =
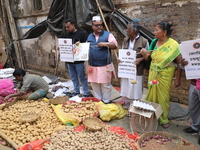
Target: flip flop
[{"x": 165, "y": 125}]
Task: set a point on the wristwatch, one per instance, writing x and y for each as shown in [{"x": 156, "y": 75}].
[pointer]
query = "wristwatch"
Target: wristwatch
[{"x": 107, "y": 43}]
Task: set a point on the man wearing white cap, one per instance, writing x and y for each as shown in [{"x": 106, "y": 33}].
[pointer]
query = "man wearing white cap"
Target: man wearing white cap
[{"x": 100, "y": 67}]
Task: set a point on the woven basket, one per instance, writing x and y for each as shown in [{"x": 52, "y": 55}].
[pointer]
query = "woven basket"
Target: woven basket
[
  {"x": 58, "y": 100},
  {"x": 93, "y": 123},
  {"x": 2, "y": 106},
  {"x": 177, "y": 142},
  {"x": 6, "y": 105},
  {"x": 29, "y": 117}
]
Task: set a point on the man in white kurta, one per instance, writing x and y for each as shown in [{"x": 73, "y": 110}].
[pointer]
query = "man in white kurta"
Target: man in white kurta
[{"x": 134, "y": 42}]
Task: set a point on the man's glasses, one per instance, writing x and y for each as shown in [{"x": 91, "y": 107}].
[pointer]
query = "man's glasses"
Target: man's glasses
[{"x": 98, "y": 25}]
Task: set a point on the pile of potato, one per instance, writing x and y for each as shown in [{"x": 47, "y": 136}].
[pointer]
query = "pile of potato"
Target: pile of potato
[
  {"x": 89, "y": 140},
  {"x": 21, "y": 133},
  {"x": 81, "y": 110}
]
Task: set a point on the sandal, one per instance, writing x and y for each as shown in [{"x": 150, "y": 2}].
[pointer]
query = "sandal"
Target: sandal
[{"x": 165, "y": 125}]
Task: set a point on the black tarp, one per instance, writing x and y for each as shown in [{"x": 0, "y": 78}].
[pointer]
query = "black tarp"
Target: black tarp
[{"x": 82, "y": 12}]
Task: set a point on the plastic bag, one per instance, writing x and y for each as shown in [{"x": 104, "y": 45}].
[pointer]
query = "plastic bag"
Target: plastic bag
[
  {"x": 65, "y": 118},
  {"x": 35, "y": 145},
  {"x": 107, "y": 111},
  {"x": 122, "y": 112}
]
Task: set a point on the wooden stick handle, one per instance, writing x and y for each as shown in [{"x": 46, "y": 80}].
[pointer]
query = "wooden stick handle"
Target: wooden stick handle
[
  {"x": 11, "y": 142},
  {"x": 115, "y": 54},
  {"x": 102, "y": 16},
  {"x": 57, "y": 62}
]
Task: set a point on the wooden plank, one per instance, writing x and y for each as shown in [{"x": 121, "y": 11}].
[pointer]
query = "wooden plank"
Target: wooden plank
[
  {"x": 14, "y": 35},
  {"x": 11, "y": 142},
  {"x": 4, "y": 58},
  {"x": 5, "y": 37}
]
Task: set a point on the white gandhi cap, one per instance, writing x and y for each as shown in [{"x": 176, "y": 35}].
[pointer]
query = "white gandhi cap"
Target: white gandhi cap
[{"x": 96, "y": 18}]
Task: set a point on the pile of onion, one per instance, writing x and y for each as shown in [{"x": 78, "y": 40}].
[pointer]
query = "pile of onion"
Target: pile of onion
[{"x": 160, "y": 139}]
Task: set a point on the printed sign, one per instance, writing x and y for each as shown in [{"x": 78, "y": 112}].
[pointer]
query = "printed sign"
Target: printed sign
[
  {"x": 127, "y": 66},
  {"x": 65, "y": 47},
  {"x": 190, "y": 50},
  {"x": 81, "y": 51}
]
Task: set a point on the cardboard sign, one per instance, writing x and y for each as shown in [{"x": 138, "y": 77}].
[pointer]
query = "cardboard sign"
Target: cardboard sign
[
  {"x": 66, "y": 52},
  {"x": 70, "y": 52},
  {"x": 190, "y": 50},
  {"x": 127, "y": 66},
  {"x": 81, "y": 51}
]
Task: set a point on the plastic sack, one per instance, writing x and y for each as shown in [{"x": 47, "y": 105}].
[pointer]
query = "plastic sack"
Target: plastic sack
[
  {"x": 65, "y": 118},
  {"x": 122, "y": 112},
  {"x": 124, "y": 133},
  {"x": 107, "y": 111},
  {"x": 80, "y": 128},
  {"x": 94, "y": 99},
  {"x": 46, "y": 100},
  {"x": 35, "y": 145},
  {"x": 6, "y": 92},
  {"x": 6, "y": 84}
]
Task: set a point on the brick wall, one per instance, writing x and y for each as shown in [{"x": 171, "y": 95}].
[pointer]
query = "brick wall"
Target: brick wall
[{"x": 183, "y": 14}]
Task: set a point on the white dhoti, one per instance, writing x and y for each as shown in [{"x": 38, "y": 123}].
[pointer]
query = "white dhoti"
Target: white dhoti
[{"x": 132, "y": 91}]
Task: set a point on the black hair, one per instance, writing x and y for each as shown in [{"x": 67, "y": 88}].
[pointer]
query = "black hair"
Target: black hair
[
  {"x": 166, "y": 26},
  {"x": 19, "y": 72},
  {"x": 135, "y": 26},
  {"x": 71, "y": 21}
]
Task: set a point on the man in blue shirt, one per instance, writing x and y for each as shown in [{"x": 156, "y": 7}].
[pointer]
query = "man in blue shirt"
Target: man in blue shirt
[{"x": 76, "y": 69}]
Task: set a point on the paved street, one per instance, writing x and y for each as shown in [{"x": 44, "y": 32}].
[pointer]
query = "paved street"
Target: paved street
[{"x": 176, "y": 127}]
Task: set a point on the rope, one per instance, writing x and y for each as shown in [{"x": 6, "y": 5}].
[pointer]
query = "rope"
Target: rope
[{"x": 142, "y": 128}]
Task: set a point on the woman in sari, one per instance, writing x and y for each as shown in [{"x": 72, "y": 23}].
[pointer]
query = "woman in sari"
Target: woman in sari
[{"x": 164, "y": 52}]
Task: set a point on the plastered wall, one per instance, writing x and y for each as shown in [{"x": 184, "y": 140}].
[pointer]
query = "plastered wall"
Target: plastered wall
[{"x": 37, "y": 50}]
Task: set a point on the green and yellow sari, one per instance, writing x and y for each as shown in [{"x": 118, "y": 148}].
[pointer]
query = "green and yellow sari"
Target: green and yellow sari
[{"x": 161, "y": 58}]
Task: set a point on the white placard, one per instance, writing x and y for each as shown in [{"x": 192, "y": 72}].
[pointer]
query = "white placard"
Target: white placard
[
  {"x": 81, "y": 51},
  {"x": 127, "y": 67},
  {"x": 190, "y": 50},
  {"x": 47, "y": 79},
  {"x": 66, "y": 52}
]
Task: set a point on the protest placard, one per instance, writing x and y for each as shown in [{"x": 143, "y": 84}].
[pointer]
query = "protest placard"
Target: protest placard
[
  {"x": 190, "y": 50},
  {"x": 127, "y": 66},
  {"x": 66, "y": 52},
  {"x": 81, "y": 51}
]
